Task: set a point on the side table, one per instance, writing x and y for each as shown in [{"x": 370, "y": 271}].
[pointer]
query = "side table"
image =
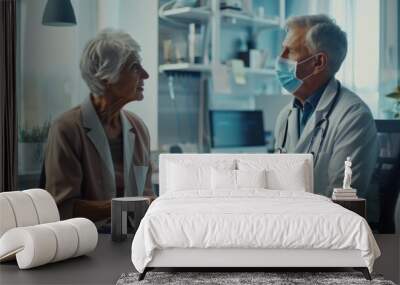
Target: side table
[
  {"x": 120, "y": 207},
  {"x": 357, "y": 205}
]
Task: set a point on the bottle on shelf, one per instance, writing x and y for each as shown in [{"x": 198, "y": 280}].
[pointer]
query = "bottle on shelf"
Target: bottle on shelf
[{"x": 195, "y": 43}]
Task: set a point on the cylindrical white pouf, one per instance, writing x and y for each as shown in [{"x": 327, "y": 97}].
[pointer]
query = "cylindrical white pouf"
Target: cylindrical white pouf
[
  {"x": 34, "y": 246},
  {"x": 45, "y": 205},
  {"x": 23, "y": 208},
  {"x": 87, "y": 234},
  {"x": 7, "y": 218},
  {"x": 67, "y": 240}
]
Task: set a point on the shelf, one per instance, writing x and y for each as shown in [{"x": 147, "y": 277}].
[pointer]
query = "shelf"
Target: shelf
[
  {"x": 238, "y": 18},
  {"x": 185, "y": 67},
  {"x": 260, "y": 71},
  {"x": 187, "y": 14},
  {"x": 207, "y": 68}
]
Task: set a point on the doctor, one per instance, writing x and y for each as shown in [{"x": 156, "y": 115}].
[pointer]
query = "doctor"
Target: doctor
[{"x": 324, "y": 118}]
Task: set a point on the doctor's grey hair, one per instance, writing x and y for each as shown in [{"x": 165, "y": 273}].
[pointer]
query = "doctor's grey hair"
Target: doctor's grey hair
[
  {"x": 105, "y": 56},
  {"x": 323, "y": 35}
]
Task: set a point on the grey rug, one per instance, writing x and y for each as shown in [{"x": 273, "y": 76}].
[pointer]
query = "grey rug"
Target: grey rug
[{"x": 230, "y": 278}]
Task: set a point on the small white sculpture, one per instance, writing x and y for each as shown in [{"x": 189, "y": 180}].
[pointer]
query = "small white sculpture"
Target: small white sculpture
[{"x": 347, "y": 174}]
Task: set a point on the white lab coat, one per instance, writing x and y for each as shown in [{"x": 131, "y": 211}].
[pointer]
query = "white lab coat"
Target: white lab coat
[{"x": 351, "y": 132}]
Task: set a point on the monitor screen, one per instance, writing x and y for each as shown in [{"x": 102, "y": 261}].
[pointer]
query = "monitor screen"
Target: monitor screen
[{"x": 236, "y": 128}]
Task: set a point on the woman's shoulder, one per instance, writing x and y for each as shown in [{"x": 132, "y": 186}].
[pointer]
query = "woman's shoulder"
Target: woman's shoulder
[
  {"x": 67, "y": 120},
  {"x": 133, "y": 118},
  {"x": 136, "y": 121}
]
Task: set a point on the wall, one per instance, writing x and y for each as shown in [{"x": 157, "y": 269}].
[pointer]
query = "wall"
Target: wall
[
  {"x": 85, "y": 30},
  {"x": 140, "y": 19},
  {"x": 297, "y": 7},
  {"x": 49, "y": 65},
  {"x": 178, "y": 117},
  {"x": 272, "y": 105},
  {"x": 389, "y": 61},
  {"x": 108, "y": 14}
]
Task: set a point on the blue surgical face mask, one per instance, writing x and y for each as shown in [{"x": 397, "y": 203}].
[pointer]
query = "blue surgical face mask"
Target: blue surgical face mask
[{"x": 286, "y": 72}]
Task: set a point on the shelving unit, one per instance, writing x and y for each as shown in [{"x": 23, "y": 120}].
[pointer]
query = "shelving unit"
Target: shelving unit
[
  {"x": 218, "y": 25},
  {"x": 216, "y": 19},
  {"x": 240, "y": 19},
  {"x": 202, "y": 14},
  {"x": 259, "y": 71},
  {"x": 207, "y": 68},
  {"x": 185, "y": 67},
  {"x": 188, "y": 14}
]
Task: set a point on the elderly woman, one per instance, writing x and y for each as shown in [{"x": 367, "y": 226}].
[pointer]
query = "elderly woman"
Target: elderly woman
[{"x": 97, "y": 151}]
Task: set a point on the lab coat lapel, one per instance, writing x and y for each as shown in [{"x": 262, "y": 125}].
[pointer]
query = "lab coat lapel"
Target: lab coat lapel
[
  {"x": 306, "y": 135},
  {"x": 327, "y": 97},
  {"x": 319, "y": 113},
  {"x": 129, "y": 146},
  {"x": 293, "y": 129},
  {"x": 97, "y": 135}
]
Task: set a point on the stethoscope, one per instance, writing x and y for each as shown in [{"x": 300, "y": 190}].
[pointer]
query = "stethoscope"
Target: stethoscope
[{"x": 318, "y": 126}]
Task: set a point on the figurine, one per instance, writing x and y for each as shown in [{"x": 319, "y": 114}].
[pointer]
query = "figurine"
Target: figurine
[{"x": 347, "y": 174}]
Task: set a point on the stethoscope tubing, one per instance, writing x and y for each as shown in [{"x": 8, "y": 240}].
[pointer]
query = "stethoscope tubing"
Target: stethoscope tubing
[{"x": 316, "y": 128}]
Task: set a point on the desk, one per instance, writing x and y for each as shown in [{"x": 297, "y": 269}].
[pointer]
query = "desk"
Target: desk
[{"x": 102, "y": 266}]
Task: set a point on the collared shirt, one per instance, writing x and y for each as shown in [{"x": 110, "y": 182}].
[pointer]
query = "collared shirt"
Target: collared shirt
[{"x": 307, "y": 109}]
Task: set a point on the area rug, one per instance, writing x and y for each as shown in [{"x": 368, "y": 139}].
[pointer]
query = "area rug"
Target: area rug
[{"x": 243, "y": 278}]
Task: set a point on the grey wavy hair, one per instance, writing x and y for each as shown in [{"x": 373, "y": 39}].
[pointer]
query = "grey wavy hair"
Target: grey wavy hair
[
  {"x": 104, "y": 57},
  {"x": 323, "y": 35}
]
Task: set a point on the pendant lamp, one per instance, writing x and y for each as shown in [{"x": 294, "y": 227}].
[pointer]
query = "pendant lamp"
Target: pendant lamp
[{"x": 59, "y": 13}]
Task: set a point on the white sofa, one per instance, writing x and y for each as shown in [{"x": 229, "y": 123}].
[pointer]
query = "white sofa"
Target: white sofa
[{"x": 31, "y": 231}]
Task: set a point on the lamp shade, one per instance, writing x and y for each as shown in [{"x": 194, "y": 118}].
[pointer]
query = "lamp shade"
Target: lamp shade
[{"x": 59, "y": 13}]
